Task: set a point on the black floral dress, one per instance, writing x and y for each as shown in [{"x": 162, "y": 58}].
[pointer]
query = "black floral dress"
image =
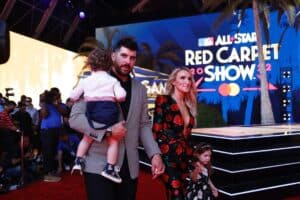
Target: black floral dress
[
  {"x": 173, "y": 140},
  {"x": 200, "y": 189}
]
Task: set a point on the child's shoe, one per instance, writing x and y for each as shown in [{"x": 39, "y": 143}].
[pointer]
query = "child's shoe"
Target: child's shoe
[
  {"x": 78, "y": 165},
  {"x": 111, "y": 172}
]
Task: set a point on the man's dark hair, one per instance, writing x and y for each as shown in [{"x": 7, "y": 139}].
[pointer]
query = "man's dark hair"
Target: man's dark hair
[
  {"x": 55, "y": 90},
  {"x": 99, "y": 59},
  {"x": 127, "y": 42},
  {"x": 10, "y": 103},
  {"x": 20, "y": 104}
]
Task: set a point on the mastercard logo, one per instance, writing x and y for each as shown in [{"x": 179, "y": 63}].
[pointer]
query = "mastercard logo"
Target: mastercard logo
[{"x": 231, "y": 89}]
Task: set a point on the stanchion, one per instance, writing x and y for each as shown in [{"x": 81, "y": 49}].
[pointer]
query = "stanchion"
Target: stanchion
[{"x": 21, "y": 182}]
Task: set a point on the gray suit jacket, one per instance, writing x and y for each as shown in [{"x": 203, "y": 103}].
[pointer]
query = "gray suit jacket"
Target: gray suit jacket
[{"x": 138, "y": 126}]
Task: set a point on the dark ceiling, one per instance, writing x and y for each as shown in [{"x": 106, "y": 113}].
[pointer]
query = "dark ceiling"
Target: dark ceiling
[{"x": 28, "y": 16}]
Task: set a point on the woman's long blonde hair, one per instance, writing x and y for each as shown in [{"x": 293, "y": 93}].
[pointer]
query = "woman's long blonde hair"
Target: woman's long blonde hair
[{"x": 190, "y": 99}]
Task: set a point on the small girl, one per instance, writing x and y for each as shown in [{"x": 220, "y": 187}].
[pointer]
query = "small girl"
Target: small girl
[
  {"x": 102, "y": 92},
  {"x": 200, "y": 187}
]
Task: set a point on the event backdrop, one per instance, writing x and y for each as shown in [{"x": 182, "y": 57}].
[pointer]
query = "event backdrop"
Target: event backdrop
[{"x": 224, "y": 61}]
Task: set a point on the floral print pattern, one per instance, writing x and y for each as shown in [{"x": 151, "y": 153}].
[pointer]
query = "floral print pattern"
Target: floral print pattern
[
  {"x": 173, "y": 139},
  {"x": 199, "y": 190}
]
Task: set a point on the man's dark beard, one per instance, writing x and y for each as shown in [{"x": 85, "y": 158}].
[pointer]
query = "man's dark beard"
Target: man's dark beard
[{"x": 119, "y": 71}]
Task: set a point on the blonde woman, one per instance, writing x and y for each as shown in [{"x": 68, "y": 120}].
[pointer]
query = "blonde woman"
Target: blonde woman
[{"x": 174, "y": 118}]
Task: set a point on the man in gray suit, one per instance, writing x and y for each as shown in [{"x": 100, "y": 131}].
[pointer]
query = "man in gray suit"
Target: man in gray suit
[{"x": 135, "y": 127}]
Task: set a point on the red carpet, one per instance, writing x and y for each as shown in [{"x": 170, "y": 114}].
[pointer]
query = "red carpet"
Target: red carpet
[{"x": 72, "y": 188}]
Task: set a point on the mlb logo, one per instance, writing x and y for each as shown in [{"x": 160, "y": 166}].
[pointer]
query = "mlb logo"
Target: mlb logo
[{"x": 206, "y": 42}]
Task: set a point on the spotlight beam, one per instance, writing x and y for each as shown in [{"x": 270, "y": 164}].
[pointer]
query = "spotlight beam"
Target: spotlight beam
[
  {"x": 71, "y": 30},
  {"x": 7, "y": 9},
  {"x": 45, "y": 19}
]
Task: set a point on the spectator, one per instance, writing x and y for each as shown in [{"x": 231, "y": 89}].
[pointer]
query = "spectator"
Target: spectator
[
  {"x": 52, "y": 111},
  {"x": 66, "y": 151},
  {"x": 22, "y": 99},
  {"x": 8, "y": 130},
  {"x": 34, "y": 114},
  {"x": 23, "y": 119},
  {"x": 12, "y": 164}
]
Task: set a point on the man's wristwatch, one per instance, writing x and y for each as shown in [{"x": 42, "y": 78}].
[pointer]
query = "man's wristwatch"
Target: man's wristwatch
[{"x": 108, "y": 132}]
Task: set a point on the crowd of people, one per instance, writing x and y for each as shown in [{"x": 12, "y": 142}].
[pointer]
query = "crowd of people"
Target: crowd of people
[
  {"x": 27, "y": 152},
  {"x": 109, "y": 111}
]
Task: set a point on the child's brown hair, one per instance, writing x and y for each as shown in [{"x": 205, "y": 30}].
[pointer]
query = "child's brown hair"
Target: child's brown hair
[
  {"x": 200, "y": 149},
  {"x": 100, "y": 59}
]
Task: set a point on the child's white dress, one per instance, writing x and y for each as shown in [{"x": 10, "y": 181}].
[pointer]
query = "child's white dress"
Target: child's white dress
[{"x": 199, "y": 190}]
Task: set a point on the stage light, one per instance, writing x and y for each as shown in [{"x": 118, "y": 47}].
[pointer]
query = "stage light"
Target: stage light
[
  {"x": 286, "y": 88},
  {"x": 287, "y": 117},
  {"x": 69, "y": 4},
  {"x": 286, "y": 102},
  {"x": 82, "y": 14},
  {"x": 286, "y": 74}
]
